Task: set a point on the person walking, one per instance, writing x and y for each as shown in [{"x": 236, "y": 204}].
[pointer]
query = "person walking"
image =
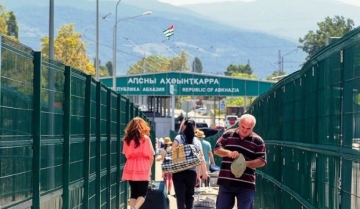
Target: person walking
[
  {"x": 185, "y": 181},
  {"x": 139, "y": 153},
  {"x": 166, "y": 176},
  {"x": 229, "y": 146},
  {"x": 208, "y": 155}
]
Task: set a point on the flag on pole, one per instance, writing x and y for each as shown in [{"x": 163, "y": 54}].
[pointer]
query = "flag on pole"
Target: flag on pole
[{"x": 169, "y": 32}]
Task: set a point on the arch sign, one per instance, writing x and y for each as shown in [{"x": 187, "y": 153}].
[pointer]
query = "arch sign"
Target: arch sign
[{"x": 187, "y": 84}]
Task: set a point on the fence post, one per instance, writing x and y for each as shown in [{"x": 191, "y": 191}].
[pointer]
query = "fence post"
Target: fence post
[
  {"x": 128, "y": 113},
  {"x": 98, "y": 147},
  {"x": 36, "y": 130},
  {"x": 108, "y": 147},
  {"x": 153, "y": 141},
  {"x": 87, "y": 133},
  {"x": 118, "y": 150},
  {"x": 137, "y": 112},
  {"x": 66, "y": 145},
  {"x": 131, "y": 110}
]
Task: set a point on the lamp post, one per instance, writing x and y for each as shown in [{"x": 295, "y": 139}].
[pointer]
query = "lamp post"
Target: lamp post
[{"x": 114, "y": 42}]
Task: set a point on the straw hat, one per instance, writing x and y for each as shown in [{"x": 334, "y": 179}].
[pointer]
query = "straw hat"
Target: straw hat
[
  {"x": 199, "y": 134},
  {"x": 167, "y": 140},
  {"x": 238, "y": 166}
]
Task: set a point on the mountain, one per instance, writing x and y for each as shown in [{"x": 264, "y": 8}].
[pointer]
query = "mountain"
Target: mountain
[
  {"x": 217, "y": 45},
  {"x": 289, "y": 19}
]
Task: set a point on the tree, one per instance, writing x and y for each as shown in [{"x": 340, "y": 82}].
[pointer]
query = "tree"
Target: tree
[
  {"x": 103, "y": 70},
  {"x": 235, "y": 101},
  {"x": 232, "y": 69},
  {"x": 197, "y": 66},
  {"x": 69, "y": 49},
  {"x": 314, "y": 41},
  {"x": 239, "y": 101},
  {"x": 154, "y": 63},
  {"x": 275, "y": 74},
  {"x": 109, "y": 67},
  {"x": 244, "y": 75},
  {"x": 8, "y": 24},
  {"x": 180, "y": 62},
  {"x": 13, "y": 29},
  {"x": 3, "y": 18},
  {"x": 150, "y": 64}
]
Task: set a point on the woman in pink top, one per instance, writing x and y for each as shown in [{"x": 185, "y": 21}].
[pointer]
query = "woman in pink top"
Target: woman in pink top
[{"x": 139, "y": 154}]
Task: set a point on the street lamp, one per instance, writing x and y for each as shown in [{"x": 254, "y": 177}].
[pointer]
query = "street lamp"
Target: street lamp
[{"x": 114, "y": 42}]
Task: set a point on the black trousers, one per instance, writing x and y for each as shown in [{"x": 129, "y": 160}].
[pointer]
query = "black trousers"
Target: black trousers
[{"x": 184, "y": 183}]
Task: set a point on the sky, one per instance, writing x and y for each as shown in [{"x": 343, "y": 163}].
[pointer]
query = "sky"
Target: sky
[{"x": 181, "y": 2}]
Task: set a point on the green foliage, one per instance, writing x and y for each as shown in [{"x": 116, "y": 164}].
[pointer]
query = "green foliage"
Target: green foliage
[
  {"x": 109, "y": 68},
  {"x": 8, "y": 24},
  {"x": 314, "y": 41},
  {"x": 104, "y": 71},
  {"x": 180, "y": 62},
  {"x": 13, "y": 29},
  {"x": 197, "y": 66},
  {"x": 69, "y": 49},
  {"x": 239, "y": 101},
  {"x": 154, "y": 64},
  {"x": 234, "y": 101},
  {"x": 150, "y": 64},
  {"x": 244, "y": 75},
  {"x": 3, "y": 18},
  {"x": 233, "y": 69},
  {"x": 275, "y": 74}
]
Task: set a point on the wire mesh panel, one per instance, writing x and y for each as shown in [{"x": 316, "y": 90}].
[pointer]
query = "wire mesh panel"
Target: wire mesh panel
[
  {"x": 61, "y": 135},
  {"x": 16, "y": 128},
  {"x": 51, "y": 154},
  {"x": 313, "y": 155}
]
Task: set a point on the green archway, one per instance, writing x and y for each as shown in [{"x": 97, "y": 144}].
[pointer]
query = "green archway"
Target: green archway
[{"x": 187, "y": 84}]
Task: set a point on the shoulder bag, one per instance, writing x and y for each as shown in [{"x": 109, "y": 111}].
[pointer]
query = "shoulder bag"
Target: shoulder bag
[{"x": 181, "y": 158}]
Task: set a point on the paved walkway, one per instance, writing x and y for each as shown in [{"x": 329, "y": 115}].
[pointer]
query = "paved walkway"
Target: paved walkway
[{"x": 159, "y": 178}]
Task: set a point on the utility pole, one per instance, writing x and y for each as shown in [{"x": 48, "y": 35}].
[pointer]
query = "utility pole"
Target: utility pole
[
  {"x": 280, "y": 62},
  {"x": 97, "y": 42}
]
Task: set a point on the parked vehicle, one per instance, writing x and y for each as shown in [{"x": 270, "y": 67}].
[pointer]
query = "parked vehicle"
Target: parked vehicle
[
  {"x": 230, "y": 120},
  {"x": 201, "y": 110},
  {"x": 234, "y": 110},
  {"x": 201, "y": 125}
]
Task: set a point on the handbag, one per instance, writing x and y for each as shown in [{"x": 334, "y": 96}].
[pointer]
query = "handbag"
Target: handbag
[{"x": 181, "y": 158}]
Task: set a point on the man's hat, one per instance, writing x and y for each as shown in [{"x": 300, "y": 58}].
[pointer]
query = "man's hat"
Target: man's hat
[
  {"x": 238, "y": 166},
  {"x": 167, "y": 140},
  {"x": 199, "y": 134}
]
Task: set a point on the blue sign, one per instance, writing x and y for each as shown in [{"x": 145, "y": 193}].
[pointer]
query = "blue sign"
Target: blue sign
[{"x": 222, "y": 104}]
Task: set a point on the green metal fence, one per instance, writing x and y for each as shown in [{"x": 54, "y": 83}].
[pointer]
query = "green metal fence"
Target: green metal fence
[
  {"x": 61, "y": 135},
  {"x": 310, "y": 122},
  {"x": 60, "y": 141}
]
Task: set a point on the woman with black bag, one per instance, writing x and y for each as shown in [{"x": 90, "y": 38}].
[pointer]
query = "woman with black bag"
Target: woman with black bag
[{"x": 185, "y": 181}]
